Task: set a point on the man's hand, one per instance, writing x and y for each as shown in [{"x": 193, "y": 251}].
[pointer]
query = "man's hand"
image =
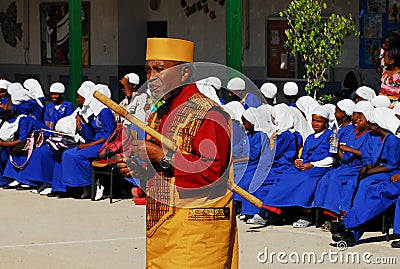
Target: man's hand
[
  {"x": 123, "y": 168},
  {"x": 395, "y": 178},
  {"x": 147, "y": 151}
]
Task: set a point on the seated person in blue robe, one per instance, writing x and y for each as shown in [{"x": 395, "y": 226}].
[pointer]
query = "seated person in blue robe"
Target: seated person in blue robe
[
  {"x": 285, "y": 143},
  {"x": 58, "y": 108},
  {"x": 78, "y": 159},
  {"x": 237, "y": 91},
  {"x": 25, "y": 126},
  {"x": 296, "y": 187},
  {"x": 336, "y": 188}
]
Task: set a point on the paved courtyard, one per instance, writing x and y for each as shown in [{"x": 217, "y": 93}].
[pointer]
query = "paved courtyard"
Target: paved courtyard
[{"x": 41, "y": 232}]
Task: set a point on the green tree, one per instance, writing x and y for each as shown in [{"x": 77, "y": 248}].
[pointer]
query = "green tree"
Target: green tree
[{"x": 316, "y": 38}]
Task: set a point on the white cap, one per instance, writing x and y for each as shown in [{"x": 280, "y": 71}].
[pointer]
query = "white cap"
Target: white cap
[
  {"x": 132, "y": 78},
  {"x": 236, "y": 84},
  {"x": 215, "y": 82},
  {"x": 363, "y": 107},
  {"x": 381, "y": 101},
  {"x": 366, "y": 93},
  {"x": 269, "y": 90},
  {"x": 290, "y": 88},
  {"x": 347, "y": 106},
  {"x": 322, "y": 111},
  {"x": 57, "y": 87},
  {"x": 4, "y": 84}
]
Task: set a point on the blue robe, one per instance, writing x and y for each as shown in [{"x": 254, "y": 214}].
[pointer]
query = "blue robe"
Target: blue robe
[
  {"x": 79, "y": 160},
  {"x": 3, "y": 101},
  {"x": 26, "y": 126},
  {"x": 336, "y": 188},
  {"x": 346, "y": 133},
  {"x": 383, "y": 197},
  {"x": 257, "y": 166},
  {"x": 251, "y": 100},
  {"x": 295, "y": 187},
  {"x": 386, "y": 153},
  {"x": 285, "y": 154},
  {"x": 51, "y": 114},
  {"x": 30, "y": 108}
]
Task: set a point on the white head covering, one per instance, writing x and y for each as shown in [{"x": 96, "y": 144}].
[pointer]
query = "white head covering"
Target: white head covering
[
  {"x": 269, "y": 90},
  {"x": 396, "y": 108},
  {"x": 4, "y": 84},
  {"x": 215, "y": 82},
  {"x": 290, "y": 88},
  {"x": 35, "y": 90},
  {"x": 347, "y": 106},
  {"x": 300, "y": 124},
  {"x": 366, "y": 93},
  {"x": 57, "y": 87},
  {"x": 206, "y": 88},
  {"x": 85, "y": 90},
  {"x": 95, "y": 105},
  {"x": 67, "y": 125},
  {"x": 18, "y": 93},
  {"x": 236, "y": 84},
  {"x": 263, "y": 123},
  {"x": 8, "y": 130},
  {"x": 322, "y": 111},
  {"x": 332, "y": 118},
  {"x": 235, "y": 110},
  {"x": 133, "y": 78},
  {"x": 282, "y": 117},
  {"x": 381, "y": 101},
  {"x": 364, "y": 107},
  {"x": 307, "y": 104},
  {"x": 385, "y": 118}
]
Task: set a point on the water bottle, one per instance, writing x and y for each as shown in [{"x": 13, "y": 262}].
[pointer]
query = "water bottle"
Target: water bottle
[{"x": 334, "y": 141}]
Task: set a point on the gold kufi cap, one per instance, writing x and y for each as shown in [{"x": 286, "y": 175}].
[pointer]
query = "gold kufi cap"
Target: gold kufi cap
[{"x": 169, "y": 49}]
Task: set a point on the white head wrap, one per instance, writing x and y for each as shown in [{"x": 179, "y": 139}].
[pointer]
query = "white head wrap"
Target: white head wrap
[
  {"x": 236, "y": 84},
  {"x": 290, "y": 88},
  {"x": 396, "y": 108},
  {"x": 67, "y": 125},
  {"x": 347, "y": 106},
  {"x": 4, "y": 84},
  {"x": 206, "y": 88},
  {"x": 307, "y": 104},
  {"x": 300, "y": 123},
  {"x": 364, "y": 107},
  {"x": 263, "y": 123},
  {"x": 57, "y": 87},
  {"x": 332, "y": 118},
  {"x": 215, "y": 82},
  {"x": 8, "y": 130},
  {"x": 95, "y": 105},
  {"x": 235, "y": 110},
  {"x": 282, "y": 117},
  {"x": 18, "y": 93},
  {"x": 86, "y": 90},
  {"x": 269, "y": 90},
  {"x": 35, "y": 90},
  {"x": 381, "y": 101},
  {"x": 385, "y": 118},
  {"x": 322, "y": 111},
  {"x": 132, "y": 78},
  {"x": 366, "y": 93}
]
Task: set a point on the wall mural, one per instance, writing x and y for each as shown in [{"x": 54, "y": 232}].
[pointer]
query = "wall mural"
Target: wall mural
[
  {"x": 54, "y": 24},
  {"x": 10, "y": 29},
  {"x": 192, "y": 7}
]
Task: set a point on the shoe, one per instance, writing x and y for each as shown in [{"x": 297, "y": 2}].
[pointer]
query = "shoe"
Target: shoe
[
  {"x": 395, "y": 244},
  {"x": 257, "y": 219},
  {"x": 99, "y": 193},
  {"x": 335, "y": 226},
  {"x": 53, "y": 194},
  {"x": 13, "y": 185},
  {"x": 241, "y": 217},
  {"x": 86, "y": 192},
  {"x": 346, "y": 236},
  {"x": 24, "y": 187},
  {"x": 43, "y": 187},
  {"x": 301, "y": 223},
  {"x": 45, "y": 191}
]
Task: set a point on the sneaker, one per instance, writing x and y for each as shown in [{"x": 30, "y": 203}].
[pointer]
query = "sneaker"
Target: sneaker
[
  {"x": 99, "y": 192},
  {"x": 257, "y": 219},
  {"x": 14, "y": 183},
  {"x": 45, "y": 191},
  {"x": 301, "y": 223},
  {"x": 241, "y": 217}
]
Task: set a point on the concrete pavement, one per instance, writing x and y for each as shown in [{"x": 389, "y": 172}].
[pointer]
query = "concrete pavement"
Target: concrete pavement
[{"x": 42, "y": 232}]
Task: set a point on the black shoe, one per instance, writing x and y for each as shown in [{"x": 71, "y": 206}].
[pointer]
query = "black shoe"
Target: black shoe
[
  {"x": 86, "y": 192},
  {"x": 395, "y": 244},
  {"x": 336, "y": 226},
  {"x": 346, "y": 236},
  {"x": 24, "y": 187},
  {"x": 43, "y": 187}
]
